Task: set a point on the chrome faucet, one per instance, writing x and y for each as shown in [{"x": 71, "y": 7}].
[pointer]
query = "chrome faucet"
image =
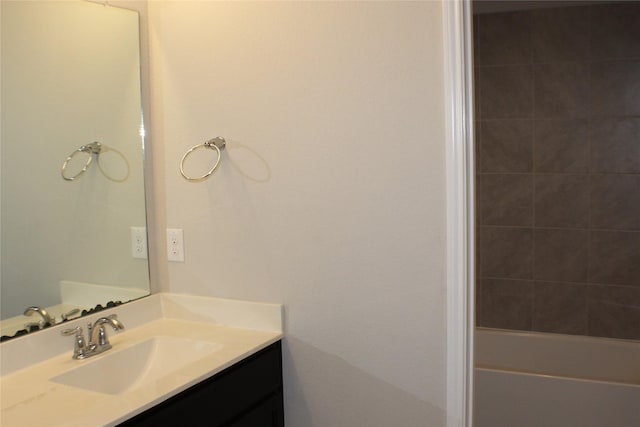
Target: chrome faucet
[
  {"x": 97, "y": 336},
  {"x": 47, "y": 320}
]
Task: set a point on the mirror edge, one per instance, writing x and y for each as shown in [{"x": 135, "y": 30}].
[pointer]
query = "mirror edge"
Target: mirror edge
[{"x": 153, "y": 155}]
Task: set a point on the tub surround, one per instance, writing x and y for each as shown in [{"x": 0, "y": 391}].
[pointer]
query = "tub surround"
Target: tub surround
[
  {"x": 558, "y": 168},
  {"x": 29, "y": 397}
]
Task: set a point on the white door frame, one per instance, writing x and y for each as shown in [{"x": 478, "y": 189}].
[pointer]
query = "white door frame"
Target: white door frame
[{"x": 458, "y": 51}]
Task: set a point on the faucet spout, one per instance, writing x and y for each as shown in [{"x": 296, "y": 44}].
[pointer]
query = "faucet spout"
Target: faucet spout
[
  {"x": 47, "y": 320},
  {"x": 98, "y": 335}
]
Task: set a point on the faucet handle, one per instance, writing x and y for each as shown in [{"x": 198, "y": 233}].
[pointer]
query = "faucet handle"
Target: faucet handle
[
  {"x": 73, "y": 331},
  {"x": 65, "y": 316},
  {"x": 79, "y": 344}
]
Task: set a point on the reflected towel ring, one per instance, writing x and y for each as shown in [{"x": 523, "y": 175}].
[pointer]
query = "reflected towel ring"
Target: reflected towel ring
[
  {"x": 94, "y": 147},
  {"x": 218, "y": 143},
  {"x": 91, "y": 149}
]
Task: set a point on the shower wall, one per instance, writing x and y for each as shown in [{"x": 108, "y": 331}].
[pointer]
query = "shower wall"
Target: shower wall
[{"x": 558, "y": 170}]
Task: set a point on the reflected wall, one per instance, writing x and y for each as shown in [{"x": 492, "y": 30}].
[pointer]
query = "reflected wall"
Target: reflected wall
[{"x": 70, "y": 76}]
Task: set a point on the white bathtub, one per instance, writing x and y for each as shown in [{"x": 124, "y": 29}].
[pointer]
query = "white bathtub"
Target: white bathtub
[{"x": 548, "y": 380}]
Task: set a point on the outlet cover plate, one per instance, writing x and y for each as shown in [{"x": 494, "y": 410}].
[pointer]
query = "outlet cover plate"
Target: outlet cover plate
[{"x": 175, "y": 244}]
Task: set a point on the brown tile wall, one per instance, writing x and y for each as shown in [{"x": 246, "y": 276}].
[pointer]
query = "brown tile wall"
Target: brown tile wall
[{"x": 558, "y": 170}]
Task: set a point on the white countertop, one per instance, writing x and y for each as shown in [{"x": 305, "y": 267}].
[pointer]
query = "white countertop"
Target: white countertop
[{"x": 29, "y": 397}]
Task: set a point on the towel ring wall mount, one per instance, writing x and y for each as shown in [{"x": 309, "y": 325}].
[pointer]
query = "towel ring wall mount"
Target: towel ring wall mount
[{"x": 218, "y": 143}]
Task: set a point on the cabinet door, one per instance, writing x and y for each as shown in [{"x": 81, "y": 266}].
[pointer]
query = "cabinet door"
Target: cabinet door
[
  {"x": 270, "y": 413},
  {"x": 226, "y": 397}
]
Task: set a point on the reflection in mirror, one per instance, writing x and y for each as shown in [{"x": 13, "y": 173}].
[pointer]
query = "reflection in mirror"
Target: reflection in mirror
[{"x": 70, "y": 79}]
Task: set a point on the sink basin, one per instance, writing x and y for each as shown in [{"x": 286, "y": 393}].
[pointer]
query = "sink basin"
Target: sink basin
[{"x": 117, "y": 371}]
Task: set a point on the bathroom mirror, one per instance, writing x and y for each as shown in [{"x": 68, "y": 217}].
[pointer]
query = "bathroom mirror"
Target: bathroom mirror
[{"x": 70, "y": 79}]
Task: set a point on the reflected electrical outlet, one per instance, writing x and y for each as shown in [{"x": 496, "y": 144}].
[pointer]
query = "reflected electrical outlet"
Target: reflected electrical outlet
[{"x": 139, "y": 242}]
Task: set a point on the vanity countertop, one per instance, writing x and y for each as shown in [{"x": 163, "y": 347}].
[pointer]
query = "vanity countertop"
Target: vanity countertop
[{"x": 30, "y": 397}]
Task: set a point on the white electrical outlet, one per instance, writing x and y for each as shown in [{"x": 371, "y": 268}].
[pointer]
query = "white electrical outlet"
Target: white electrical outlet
[
  {"x": 139, "y": 242},
  {"x": 175, "y": 244}
]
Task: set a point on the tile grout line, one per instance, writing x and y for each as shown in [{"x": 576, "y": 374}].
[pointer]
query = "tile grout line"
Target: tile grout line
[
  {"x": 590, "y": 163},
  {"x": 533, "y": 170}
]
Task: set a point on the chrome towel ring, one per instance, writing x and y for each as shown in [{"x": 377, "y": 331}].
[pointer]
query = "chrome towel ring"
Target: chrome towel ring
[
  {"x": 83, "y": 149},
  {"x": 93, "y": 148},
  {"x": 218, "y": 143}
]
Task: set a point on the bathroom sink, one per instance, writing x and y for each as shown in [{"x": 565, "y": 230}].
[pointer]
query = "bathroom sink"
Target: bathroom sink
[{"x": 117, "y": 371}]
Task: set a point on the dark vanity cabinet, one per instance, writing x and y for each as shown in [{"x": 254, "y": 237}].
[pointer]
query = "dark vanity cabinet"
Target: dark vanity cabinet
[{"x": 247, "y": 394}]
